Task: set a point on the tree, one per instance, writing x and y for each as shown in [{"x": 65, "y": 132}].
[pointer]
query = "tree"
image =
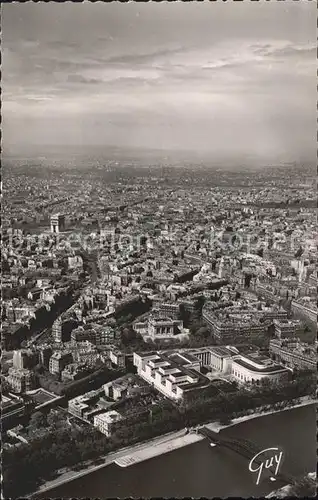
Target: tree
[
  {"x": 225, "y": 420},
  {"x": 271, "y": 330},
  {"x": 5, "y": 386},
  {"x": 200, "y": 303},
  {"x": 7, "y": 293},
  {"x": 247, "y": 280},
  {"x": 128, "y": 335},
  {"x": 37, "y": 421},
  {"x": 260, "y": 252},
  {"x": 39, "y": 369},
  {"x": 299, "y": 252},
  {"x": 195, "y": 326},
  {"x": 203, "y": 331},
  {"x": 53, "y": 419}
]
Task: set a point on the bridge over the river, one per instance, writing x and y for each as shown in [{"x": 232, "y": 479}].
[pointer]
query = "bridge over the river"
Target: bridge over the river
[{"x": 245, "y": 448}]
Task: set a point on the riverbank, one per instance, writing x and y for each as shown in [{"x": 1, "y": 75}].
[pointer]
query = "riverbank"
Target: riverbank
[
  {"x": 286, "y": 490},
  {"x": 69, "y": 475},
  {"x": 216, "y": 427},
  {"x": 154, "y": 447},
  {"x": 158, "y": 449}
]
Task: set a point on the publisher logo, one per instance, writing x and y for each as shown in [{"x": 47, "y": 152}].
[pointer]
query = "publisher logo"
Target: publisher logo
[{"x": 266, "y": 462}]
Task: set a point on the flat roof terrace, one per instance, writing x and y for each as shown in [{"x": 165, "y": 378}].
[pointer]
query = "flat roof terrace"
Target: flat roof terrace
[
  {"x": 183, "y": 359},
  {"x": 42, "y": 396},
  {"x": 178, "y": 359},
  {"x": 265, "y": 369}
]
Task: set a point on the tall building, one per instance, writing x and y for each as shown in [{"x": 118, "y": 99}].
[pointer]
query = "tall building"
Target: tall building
[
  {"x": 24, "y": 358},
  {"x": 57, "y": 330},
  {"x": 20, "y": 359},
  {"x": 45, "y": 352},
  {"x": 57, "y": 223},
  {"x": 59, "y": 360}
]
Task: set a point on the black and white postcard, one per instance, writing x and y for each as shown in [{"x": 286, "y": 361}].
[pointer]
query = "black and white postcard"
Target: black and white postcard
[{"x": 159, "y": 246}]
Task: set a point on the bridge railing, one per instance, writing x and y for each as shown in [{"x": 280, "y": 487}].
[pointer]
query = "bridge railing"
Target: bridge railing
[{"x": 244, "y": 448}]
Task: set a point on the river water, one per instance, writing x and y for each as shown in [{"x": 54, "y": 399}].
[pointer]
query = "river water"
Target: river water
[{"x": 199, "y": 470}]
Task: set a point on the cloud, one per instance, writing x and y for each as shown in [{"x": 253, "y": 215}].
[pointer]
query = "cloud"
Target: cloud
[
  {"x": 145, "y": 57},
  {"x": 286, "y": 50},
  {"x": 176, "y": 80},
  {"x": 77, "y": 78}
]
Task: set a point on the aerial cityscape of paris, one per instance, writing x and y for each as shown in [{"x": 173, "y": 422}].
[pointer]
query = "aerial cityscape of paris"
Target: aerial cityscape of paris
[{"x": 159, "y": 249}]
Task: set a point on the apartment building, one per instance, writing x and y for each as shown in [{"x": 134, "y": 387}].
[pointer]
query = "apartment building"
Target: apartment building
[
  {"x": 293, "y": 353},
  {"x": 58, "y": 361},
  {"x": 233, "y": 326},
  {"x": 168, "y": 310},
  {"x": 108, "y": 422},
  {"x": 117, "y": 358},
  {"x": 21, "y": 380},
  {"x": 286, "y": 328}
]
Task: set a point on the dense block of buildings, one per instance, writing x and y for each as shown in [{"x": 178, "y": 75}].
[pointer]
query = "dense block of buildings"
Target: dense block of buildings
[
  {"x": 74, "y": 371},
  {"x": 99, "y": 335},
  {"x": 245, "y": 320},
  {"x": 293, "y": 353},
  {"x": 305, "y": 308},
  {"x": 286, "y": 328},
  {"x": 233, "y": 325}
]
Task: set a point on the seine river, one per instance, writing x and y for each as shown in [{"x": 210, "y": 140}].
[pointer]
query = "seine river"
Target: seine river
[{"x": 198, "y": 470}]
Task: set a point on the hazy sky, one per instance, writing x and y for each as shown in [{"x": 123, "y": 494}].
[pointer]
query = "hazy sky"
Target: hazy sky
[{"x": 230, "y": 78}]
